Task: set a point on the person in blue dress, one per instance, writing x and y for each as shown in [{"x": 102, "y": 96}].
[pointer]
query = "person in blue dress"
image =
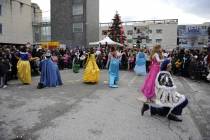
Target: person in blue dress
[
  {"x": 114, "y": 64},
  {"x": 140, "y": 68},
  {"x": 50, "y": 75}
]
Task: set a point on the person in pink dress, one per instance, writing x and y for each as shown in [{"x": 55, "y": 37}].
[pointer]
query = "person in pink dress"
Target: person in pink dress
[{"x": 148, "y": 88}]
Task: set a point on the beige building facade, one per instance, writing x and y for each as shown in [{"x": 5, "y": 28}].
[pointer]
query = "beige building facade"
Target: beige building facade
[
  {"x": 148, "y": 33},
  {"x": 15, "y": 21}
]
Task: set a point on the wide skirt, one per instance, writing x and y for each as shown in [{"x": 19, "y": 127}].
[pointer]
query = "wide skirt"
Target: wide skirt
[
  {"x": 50, "y": 75},
  {"x": 148, "y": 88},
  {"x": 140, "y": 70},
  {"x": 76, "y": 68},
  {"x": 91, "y": 73},
  {"x": 24, "y": 71}
]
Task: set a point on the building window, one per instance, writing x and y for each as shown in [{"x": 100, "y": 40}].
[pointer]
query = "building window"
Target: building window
[
  {"x": 130, "y": 32},
  {"x": 159, "y": 31},
  {"x": 150, "y": 31},
  {"x": 104, "y": 32},
  {"x": 204, "y": 27},
  {"x": 77, "y": 9},
  {"x": 200, "y": 43},
  {"x": 0, "y": 10},
  {"x": 149, "y": 40},
  {"x": 77, "y": 1},
  {"x": 159, "y": 40},
  {"x": 0, "y": 28},
  {"x": 130, "y": 40},
  {"x": 77, "y": 27}
]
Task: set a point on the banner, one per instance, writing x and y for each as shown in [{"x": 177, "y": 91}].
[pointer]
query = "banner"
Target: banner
[{"x": 191, "y": 36}]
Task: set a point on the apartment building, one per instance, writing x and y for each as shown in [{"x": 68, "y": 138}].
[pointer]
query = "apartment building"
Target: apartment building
[
  {"x": 148, "y": 33},
  {"x": 75, "y": 22}
]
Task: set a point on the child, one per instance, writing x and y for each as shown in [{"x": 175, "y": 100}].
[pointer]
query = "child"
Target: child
[{"x": 114, "y": 68}]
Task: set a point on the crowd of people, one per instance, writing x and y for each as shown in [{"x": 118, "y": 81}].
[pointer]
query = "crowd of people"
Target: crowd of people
[
  {"x": 157, "y": 64},
  {"x": 188, "y": 63},
  {"x": 193, "y": 64}
]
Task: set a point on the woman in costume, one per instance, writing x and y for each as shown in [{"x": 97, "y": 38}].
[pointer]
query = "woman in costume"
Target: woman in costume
[
  {"x": 50, "y": 75},
  {"x": 92, "y": 72},
  {"x": 140, "y": 67},
  {"x": 148, "y": 88},
  {"x": 114, "y": 64},
  {"x": 23, "y": 66}
]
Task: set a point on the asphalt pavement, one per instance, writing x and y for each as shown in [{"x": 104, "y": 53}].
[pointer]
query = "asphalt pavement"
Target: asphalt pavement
[{"x": 77, "y": 111}]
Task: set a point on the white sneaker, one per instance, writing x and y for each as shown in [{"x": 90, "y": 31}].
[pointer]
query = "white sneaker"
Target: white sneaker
[{"x": 5, "y": 86}]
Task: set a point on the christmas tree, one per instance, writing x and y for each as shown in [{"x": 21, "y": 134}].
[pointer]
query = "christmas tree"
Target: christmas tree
[{"x": 116, "y": 31}]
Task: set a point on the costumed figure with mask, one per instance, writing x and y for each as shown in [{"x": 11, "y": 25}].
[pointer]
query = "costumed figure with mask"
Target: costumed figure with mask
[{"x": 169, "y": 103}]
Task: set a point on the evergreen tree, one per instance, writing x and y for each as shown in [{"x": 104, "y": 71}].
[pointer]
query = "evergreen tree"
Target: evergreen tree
[{"x": 116, "y": 31}]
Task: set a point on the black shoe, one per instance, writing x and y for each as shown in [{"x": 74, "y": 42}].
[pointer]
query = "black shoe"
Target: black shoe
[
  {"x": 144, "y": 108},
  {"x": 174, "y": 118}
]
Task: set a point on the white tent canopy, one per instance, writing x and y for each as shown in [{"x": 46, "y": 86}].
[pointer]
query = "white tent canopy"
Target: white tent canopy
[{"x": 104, "y": 41}]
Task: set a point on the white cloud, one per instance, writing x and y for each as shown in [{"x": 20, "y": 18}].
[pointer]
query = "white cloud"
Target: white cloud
[
  {"x": 146, "y": 9},
  {"x": 139, "y": 10}
]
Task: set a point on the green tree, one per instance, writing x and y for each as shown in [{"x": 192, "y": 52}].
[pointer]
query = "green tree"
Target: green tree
[{"x": 116, "y": 31}]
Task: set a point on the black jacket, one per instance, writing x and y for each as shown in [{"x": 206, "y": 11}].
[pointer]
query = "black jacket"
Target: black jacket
[{"x": 4, "y": 67}]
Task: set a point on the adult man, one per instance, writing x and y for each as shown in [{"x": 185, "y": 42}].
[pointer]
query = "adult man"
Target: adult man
[{"x": 169, "y": 103}]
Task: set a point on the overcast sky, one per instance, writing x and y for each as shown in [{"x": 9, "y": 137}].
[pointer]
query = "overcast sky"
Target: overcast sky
[{"x": 187, "y": 11}]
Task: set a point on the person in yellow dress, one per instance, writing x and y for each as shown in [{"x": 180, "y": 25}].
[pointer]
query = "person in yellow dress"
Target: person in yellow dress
[
  {"x": 23, "y": 66},
  {"x": 91, "y": 72}
]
